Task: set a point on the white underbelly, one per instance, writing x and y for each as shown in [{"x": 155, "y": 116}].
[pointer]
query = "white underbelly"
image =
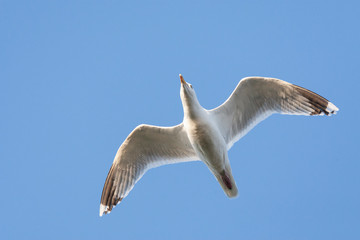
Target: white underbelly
[{"x": 208, "y": 143}]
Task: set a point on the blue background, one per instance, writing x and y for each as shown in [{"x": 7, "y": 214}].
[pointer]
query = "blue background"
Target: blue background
[{"x": 77, "y": 77}]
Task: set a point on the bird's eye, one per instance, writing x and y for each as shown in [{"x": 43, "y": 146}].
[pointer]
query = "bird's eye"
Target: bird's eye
[{"x": 191, "y": 86}]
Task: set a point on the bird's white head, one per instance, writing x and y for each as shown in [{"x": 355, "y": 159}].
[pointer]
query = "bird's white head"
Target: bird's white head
[
  {"x": 186, "y": 90},
  {"x": 188, "y": 96}
]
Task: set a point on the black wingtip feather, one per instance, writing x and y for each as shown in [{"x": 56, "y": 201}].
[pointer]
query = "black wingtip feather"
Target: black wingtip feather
[
  {"x": 108, "y": 199},
  {"x": 318, "y": 103}
]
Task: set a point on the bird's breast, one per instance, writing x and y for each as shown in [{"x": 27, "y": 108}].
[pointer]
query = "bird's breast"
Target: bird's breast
[{"x": 207, "y": 143}]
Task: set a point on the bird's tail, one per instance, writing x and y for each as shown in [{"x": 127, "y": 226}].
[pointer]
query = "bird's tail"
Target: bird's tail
[{"x": 227, "y": 182}]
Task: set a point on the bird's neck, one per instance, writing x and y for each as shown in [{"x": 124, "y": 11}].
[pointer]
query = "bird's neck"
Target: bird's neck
[{"x": 192, "y": 108}]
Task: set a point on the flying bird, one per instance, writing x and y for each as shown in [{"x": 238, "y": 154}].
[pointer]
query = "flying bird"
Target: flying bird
[{"x": 206, "y": 135}]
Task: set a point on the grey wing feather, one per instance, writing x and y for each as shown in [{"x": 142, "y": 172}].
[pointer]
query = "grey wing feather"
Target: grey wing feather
[
  {"x": 146, "y": 147},
  {"x": 256, "y": 98}
]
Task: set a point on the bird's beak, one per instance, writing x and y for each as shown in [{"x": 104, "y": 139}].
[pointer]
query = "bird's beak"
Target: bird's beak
[{"x": 182, "y": 79}]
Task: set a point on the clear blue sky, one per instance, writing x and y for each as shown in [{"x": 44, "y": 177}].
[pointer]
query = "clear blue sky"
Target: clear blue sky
[{"x": 77, "y": 77}]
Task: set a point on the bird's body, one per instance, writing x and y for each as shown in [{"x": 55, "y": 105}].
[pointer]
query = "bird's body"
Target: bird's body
[
  {"x": 207, "y": 142},
  {"x": 206, "y": 135}
]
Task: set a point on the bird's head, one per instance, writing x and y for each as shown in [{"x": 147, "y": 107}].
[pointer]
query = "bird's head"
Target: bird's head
[
  {"x": 186, "y": 90},
  {"x": 188, "y": 98}
]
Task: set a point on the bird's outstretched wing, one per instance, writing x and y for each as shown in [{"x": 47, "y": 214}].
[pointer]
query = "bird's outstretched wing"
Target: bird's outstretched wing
[
  {"x": 146, "y": 147},
  {"x": 256, "y": 98}
]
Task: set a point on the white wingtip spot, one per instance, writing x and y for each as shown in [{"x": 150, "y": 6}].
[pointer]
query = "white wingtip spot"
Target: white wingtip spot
[
  {"x": 102, "y": 209},
  {"x": 331, "y": 108}
]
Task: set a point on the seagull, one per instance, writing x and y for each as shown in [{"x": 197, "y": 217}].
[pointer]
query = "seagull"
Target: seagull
[{"x": 206, "y": 135}]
